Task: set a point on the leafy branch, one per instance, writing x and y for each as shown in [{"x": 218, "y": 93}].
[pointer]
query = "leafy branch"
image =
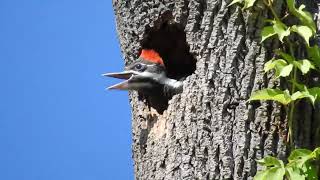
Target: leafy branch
[
  {"x": 287, "y": 66},
  {"x": 302, "y": 165}
]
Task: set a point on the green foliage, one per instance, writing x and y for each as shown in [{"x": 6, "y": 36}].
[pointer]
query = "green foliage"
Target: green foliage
[
  {"x": 301, "y": 166},
  {"x": 234, "y": 2},
  {"x": 274, "y": 169},
  {"x": 285, "y": 65},
  {"x": 304, "y": 16},
  {"x": 286, "y": 56},
  {"x": 281, "y": 67},
  {"x": 314, "y": 55},
  {"x": 282, "y": 97},
  {"x": 278, "y": 28},
  {"x": 267, "y": 32},
  {"x": 281, "y": 29},
  {"x": 304, "y": 31},
  {"x": 246, "y": 3},
  {"x": 304, "y": 65}
]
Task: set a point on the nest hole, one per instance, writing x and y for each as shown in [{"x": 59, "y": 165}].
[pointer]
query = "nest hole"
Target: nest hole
[{"x": 169, "y": 40}]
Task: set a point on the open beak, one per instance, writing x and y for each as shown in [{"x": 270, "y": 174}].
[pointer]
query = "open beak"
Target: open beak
[{"x": 124, "y": 85}]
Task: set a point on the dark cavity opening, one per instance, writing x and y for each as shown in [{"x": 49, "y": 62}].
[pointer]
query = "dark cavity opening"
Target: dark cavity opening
[{"x": 169, "y": 40}]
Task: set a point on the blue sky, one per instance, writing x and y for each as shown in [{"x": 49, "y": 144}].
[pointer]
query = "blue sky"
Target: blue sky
[{"x": 57, "y": 121}]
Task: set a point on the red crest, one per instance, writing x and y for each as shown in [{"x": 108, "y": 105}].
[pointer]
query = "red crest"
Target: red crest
[{"x": 151, "y": 55}]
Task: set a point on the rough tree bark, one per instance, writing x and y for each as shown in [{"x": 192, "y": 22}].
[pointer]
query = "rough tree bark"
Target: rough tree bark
[{"x": 209, "y": 131}]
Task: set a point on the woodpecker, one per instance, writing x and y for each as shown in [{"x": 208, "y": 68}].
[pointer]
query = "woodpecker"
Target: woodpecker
[{"x": 148, "y": 76}]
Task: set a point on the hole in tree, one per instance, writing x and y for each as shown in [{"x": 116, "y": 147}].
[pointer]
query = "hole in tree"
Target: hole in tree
[{"x": 169, "y": 40}]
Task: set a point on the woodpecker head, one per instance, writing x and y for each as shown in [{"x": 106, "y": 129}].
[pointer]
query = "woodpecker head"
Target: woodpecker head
[{"x": 147, "y": 74}]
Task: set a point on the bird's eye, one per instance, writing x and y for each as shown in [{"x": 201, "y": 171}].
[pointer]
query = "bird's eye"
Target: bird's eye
[{"x": 138, "y": 66}]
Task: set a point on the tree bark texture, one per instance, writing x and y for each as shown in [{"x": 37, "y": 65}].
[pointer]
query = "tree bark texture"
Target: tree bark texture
[{"x": 209, "y": 131}]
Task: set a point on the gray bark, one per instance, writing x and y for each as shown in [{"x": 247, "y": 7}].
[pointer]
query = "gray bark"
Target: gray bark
[{"x": 209, "y": 131}]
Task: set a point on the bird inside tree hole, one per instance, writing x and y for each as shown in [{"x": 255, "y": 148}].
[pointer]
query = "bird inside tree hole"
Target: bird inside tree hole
[
  {"x": 164, "y": 62},
  {"x": 169, "y": 40}
]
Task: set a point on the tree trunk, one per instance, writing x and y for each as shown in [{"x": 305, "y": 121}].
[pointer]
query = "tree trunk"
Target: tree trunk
[{"x": 209, "y": 131}]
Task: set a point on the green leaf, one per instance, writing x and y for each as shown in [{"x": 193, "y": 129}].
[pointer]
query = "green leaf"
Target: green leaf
[
  {"x": 285, "y": 56},
  {"x": 304, "y": 16},
  {"x": 312, "y": 96},
  {"x": 278, "y": 64},
  {"x": 295, "y": 173},
  {"x": 316, "y": 152},
  {"x": 299, "y": 157},
  {"x": 275, "y": 169},
  {"x": 268, "y": 65},
  {"x": 312, "y": 99},
  {"x": 281, "y": 29},
  {"x": 285, "y": 71},
  {"x": 274, "y": 173},
  {"x": 282, "y": 97},
  {"x": 314, "y": 54},
  {"x": 303, "y": 31},
  {"x": 297, "y": 95},
  {"x": 315, "y": 93},
  {"x": 299, "y": 154},
  {"x": 281, "y": 67},
  {"x": 248, "y": 3},
  {"x": 304, "y": 65},
  {"x": 301, "y": 165},
  {"x": 261, "y": 175},
  {"x": 303, "y": 94},
  {"x": 301, "y": 87},
  {"x": 310, "y": 170},
  {"x": 270, "y": 161},
  {"x": 267, "y": 32},
  {"x": 234, "y": 1}
]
